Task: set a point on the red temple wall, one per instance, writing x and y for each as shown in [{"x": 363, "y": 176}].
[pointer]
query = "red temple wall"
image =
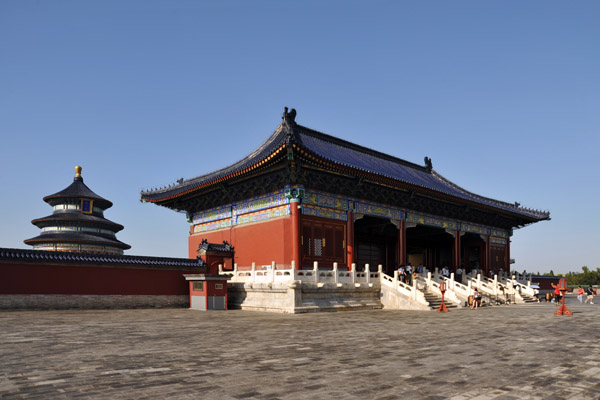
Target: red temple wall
[
  {"x": 44, "y": 278},
  {"x": 260, "y": 242}
]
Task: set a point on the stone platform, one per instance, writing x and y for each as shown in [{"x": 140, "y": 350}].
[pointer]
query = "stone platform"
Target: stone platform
[{"x": 507, "y": 352}]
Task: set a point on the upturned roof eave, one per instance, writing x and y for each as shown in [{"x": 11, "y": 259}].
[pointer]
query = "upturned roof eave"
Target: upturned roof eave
[
  {"x": 39, "y": 222},
  {"x": 276, "y": 143},
  {"x": 79, "y": 190},
  {"x": 59, "y": 238}
]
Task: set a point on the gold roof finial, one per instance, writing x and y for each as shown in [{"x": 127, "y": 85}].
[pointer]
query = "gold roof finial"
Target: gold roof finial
[{"x": 77, "y": 171}]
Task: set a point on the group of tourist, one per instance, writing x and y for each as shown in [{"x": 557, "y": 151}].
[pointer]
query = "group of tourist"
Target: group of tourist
[
  {"x": 590, "y": 292},
  {"x": 407, "y": 273}
]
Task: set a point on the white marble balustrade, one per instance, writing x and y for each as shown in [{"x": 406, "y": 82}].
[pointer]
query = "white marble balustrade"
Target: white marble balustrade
[{"x": 270, "y": 274}]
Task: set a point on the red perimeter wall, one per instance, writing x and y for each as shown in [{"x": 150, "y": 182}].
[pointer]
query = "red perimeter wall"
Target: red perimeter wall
[
  {"x": 45, "y": 278},
  {"x": 260, "y": 242}
]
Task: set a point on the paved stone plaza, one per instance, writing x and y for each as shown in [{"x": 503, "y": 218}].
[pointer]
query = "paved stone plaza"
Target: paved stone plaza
[{"x": 507, "y": 352}]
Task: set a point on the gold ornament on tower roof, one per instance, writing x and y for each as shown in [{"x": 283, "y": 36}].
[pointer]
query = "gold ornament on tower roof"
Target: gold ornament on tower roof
[{"x": 77, "y": 171}]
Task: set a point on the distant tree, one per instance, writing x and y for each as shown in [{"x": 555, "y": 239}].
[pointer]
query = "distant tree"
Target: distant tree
[{"x": 584, "y": 278}]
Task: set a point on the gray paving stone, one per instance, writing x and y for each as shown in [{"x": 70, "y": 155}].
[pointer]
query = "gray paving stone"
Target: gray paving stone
[{"x": 500, "y": 353}]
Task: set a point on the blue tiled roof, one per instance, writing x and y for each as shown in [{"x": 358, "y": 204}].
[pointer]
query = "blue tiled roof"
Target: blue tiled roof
[
  {"x": 350, "y": 155},
  {"x": 93, "y": 258},
  {"x": 78, "y": 190},
  {"x": 364, "y": 159}
]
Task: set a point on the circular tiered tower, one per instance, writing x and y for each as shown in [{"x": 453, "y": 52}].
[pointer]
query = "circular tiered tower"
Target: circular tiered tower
[{"x": 77, "y": 223}]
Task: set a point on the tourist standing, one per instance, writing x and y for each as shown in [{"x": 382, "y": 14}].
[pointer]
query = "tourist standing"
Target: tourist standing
[
  {"x": 415, "y": 276},
  {"x": 476, "y": 299},
  {"x": 401, "y": 273},
  {"x": 459, "y": 274},
  {"x": 557, "y": 295},
  {"x": 445, "y": 272}
]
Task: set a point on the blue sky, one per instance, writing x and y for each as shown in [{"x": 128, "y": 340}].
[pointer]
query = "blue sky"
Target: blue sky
[{"x": 502, "y": 95}]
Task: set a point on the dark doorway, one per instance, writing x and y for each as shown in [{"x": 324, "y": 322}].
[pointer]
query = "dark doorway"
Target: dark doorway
[
  {"x": 429, "y": 246},
  {"x": 473, "y": 252},
  {"x": 375, "y": 242}
]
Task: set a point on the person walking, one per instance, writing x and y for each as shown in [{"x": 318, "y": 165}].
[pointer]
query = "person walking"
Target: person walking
[
  {"x": 580, "y": 294},
  {"x": 590, "y": 294}
]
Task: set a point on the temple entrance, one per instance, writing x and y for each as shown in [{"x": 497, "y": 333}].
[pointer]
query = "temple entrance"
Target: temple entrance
[
  {"x": 375, "y": 243},
  {"x": 429, "y": 246},
  {"x": 473, "y": 252}
]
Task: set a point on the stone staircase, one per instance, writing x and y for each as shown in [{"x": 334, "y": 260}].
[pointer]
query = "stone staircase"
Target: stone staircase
[
  {"x": 435, "y": 300},
  {"x": 529, "y": 299},
  {"x": 338, "y": 299}
]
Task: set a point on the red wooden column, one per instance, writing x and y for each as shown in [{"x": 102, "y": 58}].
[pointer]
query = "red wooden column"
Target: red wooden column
[
  {"x": 294, "y": 202},
  {"x": 486, "y": 255},
  {"x": 402, "y": 243},
  {"x": 457, "y": 249},
  {"x": 507, "y": 255},
  {"x": 350, "y": 240}
]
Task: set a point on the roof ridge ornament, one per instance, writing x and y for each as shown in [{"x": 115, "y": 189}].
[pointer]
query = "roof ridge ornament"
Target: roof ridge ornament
[
  {"x": 428, "y": 164},
  {"x": 289, "y": 118},
  {"x": 78, "y": 176}
]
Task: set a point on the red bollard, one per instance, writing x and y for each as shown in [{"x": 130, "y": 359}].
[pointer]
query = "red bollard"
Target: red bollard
[
  {"x": 563, "y": 286},
  {"x": 443, "y": 290}
]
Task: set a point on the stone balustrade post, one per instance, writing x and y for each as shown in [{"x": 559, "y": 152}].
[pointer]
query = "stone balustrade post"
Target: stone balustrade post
[
  {"x": 429, "y": 280},
  {"x": 353, "y": 273},
  {"x": 335, "y": 273},
  {"x": 452, "y": 281},
  {"x": 367, "y": 273},
  {"x": 396, "y": 279},
  {"x": 413, "y": 289},
  {"x": 380, "y": 269},
  {"x": 479, "y": 281},
  {"x": 293, "y": 274},
  {"x": 495, "y": 285},
  {"x": 273, "y": 266},
  {"x": 220, "y": 269},
  {"x": 253, "y": 272},
  {"x": 316, "y": 271}
]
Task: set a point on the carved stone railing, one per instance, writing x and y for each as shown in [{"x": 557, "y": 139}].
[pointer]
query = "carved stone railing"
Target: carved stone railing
[{"x": 269, "y": 274}]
